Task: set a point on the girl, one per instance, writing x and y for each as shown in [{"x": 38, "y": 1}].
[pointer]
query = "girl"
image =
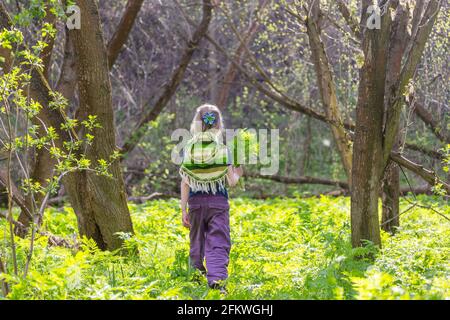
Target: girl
[{"x": 205, "y": 171}]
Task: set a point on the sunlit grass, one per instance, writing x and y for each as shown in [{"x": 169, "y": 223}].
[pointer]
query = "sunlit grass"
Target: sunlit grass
[{"x": 281, "y": 249}]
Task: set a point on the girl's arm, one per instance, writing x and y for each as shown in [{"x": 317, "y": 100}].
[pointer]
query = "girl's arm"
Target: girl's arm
[
  {"x": 233, "y": 175},
  {"x": 184, "y": 190}
]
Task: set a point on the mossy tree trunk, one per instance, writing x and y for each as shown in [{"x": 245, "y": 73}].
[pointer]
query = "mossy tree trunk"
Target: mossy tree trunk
[
  {"x": 378, "y": 110},
  {"x": 98, "y": 201}
]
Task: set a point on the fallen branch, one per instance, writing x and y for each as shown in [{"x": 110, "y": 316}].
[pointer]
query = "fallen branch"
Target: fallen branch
[
  {"x": 52, "y": 239},
  {"x": 300, "y": 180},
  {"x": 344, "y": 185},
  {"x": 418, "y": 190},
  {"x": 143, "y": 199}
]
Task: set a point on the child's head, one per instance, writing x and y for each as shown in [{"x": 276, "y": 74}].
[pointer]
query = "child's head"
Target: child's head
[{"x": 207, "y": 117}]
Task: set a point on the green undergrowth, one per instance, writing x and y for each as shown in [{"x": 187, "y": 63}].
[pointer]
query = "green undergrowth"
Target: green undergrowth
[{"x": 295, "y": 248}]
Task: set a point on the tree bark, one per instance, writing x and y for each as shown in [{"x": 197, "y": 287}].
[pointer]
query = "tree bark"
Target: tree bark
[
  {"x": 397, "y": 80},
  {"x": 120, "y": 36},
  {"x": 368, "y": 144},
  {"x": 391, "y": 180},
  {"x": 377, "y": 122},
  {"x": 46, "y": 54},
  {"x": 67, "y": 81},
  {"x": 98, "y": 201},
  {"x": 42, "y": 168},
  {"x": 396, "y": 91},
  {"x": 306, "y": 146},
  {"x": 328, "y": 89},
  {"x": 390, "y": 219}
]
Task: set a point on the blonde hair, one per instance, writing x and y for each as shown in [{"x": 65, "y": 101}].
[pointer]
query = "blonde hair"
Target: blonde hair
[{"x": 198, "y": 125}]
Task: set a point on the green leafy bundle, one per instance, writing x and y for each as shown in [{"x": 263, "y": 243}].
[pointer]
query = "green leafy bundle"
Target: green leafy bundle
[{"x": 244, "y": 148}]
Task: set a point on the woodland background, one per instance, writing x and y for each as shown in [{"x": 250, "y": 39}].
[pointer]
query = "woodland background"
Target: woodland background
[{"x": 363, "y": 118}]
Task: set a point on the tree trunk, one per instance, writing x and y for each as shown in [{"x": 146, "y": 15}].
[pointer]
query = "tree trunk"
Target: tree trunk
[
  {"x": 378, "y": 117},
  {"x": 306, "y": 147},
  {"x": 328, "y": 89},
  {"x": 123, "y": 30},
  {"x": 368, "y": 142},
  {"x": 42, "y": 169},
  {"x": 390, "y": 219},
  {"x": 391, "y": 182},
  {"x": 99, "y": 201},
  {"x": 365, "y": 188}
]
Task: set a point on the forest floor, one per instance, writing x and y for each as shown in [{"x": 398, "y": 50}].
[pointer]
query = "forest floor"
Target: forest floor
[{"x": 292, "y": 248}]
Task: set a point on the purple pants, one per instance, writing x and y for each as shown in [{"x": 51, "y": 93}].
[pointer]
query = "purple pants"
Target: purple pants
[{"x": 210, "y": 235}]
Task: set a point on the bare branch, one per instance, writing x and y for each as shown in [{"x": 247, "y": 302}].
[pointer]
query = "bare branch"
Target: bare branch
[
  {"x": 327, "y": 87},
  {"x": 279, "y": 97},
  {"x": 426, "y": 174},
  {"x": 430, "y": 153},
  {"x": 407, "y": 72},
  {"x": 239, "y": 55},
  {"x": 349, "y": 18},
  {"x": 67, "y": 81},
  {"x": 122, "y": 32},
  {"x": 175, "y": 80},
  {"x": 431, "y": 123}
]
